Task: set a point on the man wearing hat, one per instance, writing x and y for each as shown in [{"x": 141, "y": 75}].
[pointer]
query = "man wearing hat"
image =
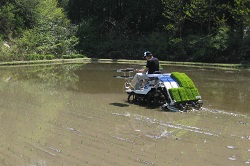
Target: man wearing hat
[
  {"x": 152, "y": 63},
  {"x": 152, "y": 66}
]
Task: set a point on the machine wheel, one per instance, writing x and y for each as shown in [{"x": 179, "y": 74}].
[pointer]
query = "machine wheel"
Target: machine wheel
[
  {"x": 199, "y": 105},
  {"x": 155, "y": 98},
  {"x": 131, "y": 98}
]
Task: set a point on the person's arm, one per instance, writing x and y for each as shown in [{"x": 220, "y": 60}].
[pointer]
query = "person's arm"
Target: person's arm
[
  {"x": 145, "y": 70},
  {"x": 141, "y": 70}
]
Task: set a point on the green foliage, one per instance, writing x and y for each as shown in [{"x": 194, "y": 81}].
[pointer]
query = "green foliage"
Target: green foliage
[
  {"x": 72, "y": 56},
  {"x": 136, "y": 16},
  {"x": 241, "y": 11},
  {"x": 29, "y": 41},
  {"x": 220, "y": 41},
  {"x": 175, "y": 17},
  {"x": 120, "y": 46},
  {"x": 38, "y": 57},
  {"x": 202, "y": 15},
  {"x": 5, "y": 52},
  {"x": 118, "y": 29},
  {"x": 88, "y": 36},
  {"x": 34, "y": 57},
  {"x": 49, "y": 57},
  {"x": 10, "y": 21},
  {"x": 63, "y": 3},
  {"x": 213, "y": 29},
  {"x": 26, "y": 10},
  {"x": 176, "y": 30},
  {"x": 52, "y": 33}
]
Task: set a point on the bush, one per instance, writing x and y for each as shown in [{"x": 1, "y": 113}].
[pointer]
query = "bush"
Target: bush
[
  {"x": 37, "y": 57},
  {"x": 34, "y": 57},
  {"x": 72, "y": 56},
  {"x": 4, "y": 52},
  {"x": 51, "y": 33},
  {"x": 49, "y": 56}
]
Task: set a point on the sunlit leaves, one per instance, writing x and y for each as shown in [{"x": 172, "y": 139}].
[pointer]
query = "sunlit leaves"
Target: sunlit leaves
[
  {"x": 173, "y": 11},
  {"x": 52, "y": 34}
]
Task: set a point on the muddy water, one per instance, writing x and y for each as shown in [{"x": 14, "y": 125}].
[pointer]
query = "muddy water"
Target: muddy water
[{"x": 78, "y": 115}]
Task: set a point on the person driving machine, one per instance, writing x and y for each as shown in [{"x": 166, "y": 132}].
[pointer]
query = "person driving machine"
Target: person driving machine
[{"x": 152, "y": 67}]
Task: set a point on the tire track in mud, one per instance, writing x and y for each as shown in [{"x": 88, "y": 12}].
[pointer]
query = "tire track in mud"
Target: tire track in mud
[
  {"x": 112, "y": 137},
  {"x": 95, "y": 141},
  {"x": 147, "y": 120},
  {"x": 224, "y": 113},
  {"x": 170, "y": 130}
]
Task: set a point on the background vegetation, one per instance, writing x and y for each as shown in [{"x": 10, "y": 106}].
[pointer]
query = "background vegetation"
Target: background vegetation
[{"x": 175, "y": 30}]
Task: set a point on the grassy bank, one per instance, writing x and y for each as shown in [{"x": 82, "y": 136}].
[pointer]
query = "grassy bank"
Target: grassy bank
[{"x": 122, "y": 61}]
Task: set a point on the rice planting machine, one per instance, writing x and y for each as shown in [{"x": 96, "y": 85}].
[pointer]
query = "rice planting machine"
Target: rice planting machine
[{"x": 172, "y": 91}]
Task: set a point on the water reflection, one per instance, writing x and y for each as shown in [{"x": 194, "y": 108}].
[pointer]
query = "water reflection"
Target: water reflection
[
  {"x": 220, "y": 89},
  {"x": 62, "y": 76}
]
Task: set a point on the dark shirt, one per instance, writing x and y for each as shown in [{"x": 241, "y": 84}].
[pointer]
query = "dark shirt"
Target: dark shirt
[{"x": 152, "y": 65}]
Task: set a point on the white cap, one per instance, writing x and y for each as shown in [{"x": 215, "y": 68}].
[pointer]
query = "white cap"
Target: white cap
[{"x": 146, "y": 53}]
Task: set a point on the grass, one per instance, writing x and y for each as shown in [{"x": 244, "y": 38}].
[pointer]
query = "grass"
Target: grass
[{"x": 78, "y": 58}]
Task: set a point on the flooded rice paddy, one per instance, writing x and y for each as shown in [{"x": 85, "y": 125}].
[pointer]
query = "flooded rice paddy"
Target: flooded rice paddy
[{"x": 77, "y": 114}]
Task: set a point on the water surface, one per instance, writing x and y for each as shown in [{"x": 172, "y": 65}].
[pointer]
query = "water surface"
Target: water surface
[{"x": 77, "y": 114}]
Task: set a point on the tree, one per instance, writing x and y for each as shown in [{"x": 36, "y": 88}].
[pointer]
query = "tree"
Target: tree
[
  {"x": 138, "y": 16},
  {"x": 52, "y": 32},
  {"x": 241, "y": 14},
  {"x": 26, "y": 10},
  {"x": 173, "y": 11},
  {"x": 201, "y": 15},
  {"x": 10, "y": 21}
]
